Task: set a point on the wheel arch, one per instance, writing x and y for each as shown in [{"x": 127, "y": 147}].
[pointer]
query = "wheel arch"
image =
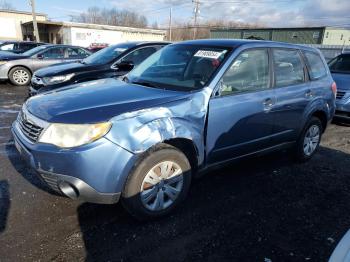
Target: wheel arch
[{"x": 26, "y": 67}]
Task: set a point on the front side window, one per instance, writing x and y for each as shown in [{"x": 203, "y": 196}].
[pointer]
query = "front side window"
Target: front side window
[
  {"x": 248, "y": 72},
  {"x": 289, "y": 69},
  {"x": 316, "y": 65},
  {"x": 108, "y": 54},
  {"x": 139, "y": 55},
  {"x": 340, "y": 64},
  {"x": 54, "y": 53},
  {"x": 179, "y": 67}
]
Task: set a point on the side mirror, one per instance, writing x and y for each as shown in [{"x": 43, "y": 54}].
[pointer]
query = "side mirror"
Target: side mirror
[
  {"x": 40, "y": 56},
  {"x": 124, "y": 66}
]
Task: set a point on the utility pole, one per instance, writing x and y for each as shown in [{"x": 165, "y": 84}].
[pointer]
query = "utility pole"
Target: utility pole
[
  {"x": 170, "y": 23},
  {"x": 196, "y": 13},
  {"x": 35, "y": 25}
]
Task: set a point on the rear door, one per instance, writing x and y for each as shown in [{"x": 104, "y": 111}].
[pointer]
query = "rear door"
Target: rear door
[
  {"x": 293, "y": 93},
  {"x": 239, "y": 118}
]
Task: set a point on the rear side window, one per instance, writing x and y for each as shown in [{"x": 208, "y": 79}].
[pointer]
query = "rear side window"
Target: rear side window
[
  {"x": 289, "y": 69},
  {"x": 249, "y": 72},
  {"x": 316, "y": 66}
]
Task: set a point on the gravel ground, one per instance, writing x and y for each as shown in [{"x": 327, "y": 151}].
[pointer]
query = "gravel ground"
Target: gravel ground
[{"x": 261, "y": 209}]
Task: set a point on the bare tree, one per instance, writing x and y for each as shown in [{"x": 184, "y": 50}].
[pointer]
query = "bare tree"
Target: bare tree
[
  {"x": 96, "y": 15},
  {"x": 184, "y": 31},
  {"x": 6, "y": 5}
]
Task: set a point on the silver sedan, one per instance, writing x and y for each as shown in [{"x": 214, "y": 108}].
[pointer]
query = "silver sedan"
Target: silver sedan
[{"x": 20, "y": 68}]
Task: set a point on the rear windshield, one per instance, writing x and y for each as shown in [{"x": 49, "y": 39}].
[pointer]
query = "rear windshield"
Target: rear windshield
[
  {"x": 179, "y": 67},
  {"x": 340, "y": 64}
]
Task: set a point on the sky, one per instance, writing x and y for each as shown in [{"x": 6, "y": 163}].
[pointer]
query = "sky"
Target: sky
[{"x": 269, "y": 13}]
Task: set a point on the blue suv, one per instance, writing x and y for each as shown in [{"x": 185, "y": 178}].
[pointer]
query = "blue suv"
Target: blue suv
[{"x": 189, "y": 107}]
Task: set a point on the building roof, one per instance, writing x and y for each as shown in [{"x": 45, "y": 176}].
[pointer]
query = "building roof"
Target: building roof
[
  {"x": 101, "y": 27},
  {"x": 21, "y": 12},
  {"x": 279, "y": 28}
]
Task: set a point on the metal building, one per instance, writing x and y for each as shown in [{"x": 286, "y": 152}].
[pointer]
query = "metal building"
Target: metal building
[
  {"x": 302, "y": 35},
  {"x": 85, "y": 34}
]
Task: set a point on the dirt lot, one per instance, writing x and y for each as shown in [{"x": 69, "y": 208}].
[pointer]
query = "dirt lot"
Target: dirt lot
[{"x": 261, "y": 209}]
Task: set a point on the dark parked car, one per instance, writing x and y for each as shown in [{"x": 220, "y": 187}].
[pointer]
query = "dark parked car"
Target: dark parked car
[
  {"x": 18, "y": 68},
  {"x": 340, "y": 69},
  {"x": 187, "y": 108},
  {"x": 18, "y": 47},
  {"x": 112, "y": 61}
]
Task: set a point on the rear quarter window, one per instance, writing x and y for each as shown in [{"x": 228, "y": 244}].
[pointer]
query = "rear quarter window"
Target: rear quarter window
[{"x": 317, "y": 68}]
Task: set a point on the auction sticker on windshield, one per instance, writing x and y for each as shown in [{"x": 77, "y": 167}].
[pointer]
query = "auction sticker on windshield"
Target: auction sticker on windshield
[{"x": 208, "y": 54}]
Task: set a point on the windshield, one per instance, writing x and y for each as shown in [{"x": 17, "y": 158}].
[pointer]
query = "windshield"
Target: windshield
[
  {"x": 180, "y": 67},
  {"x": 340, "y": 64},
  {"x": 107, "y": 54},
  {"x": 35, "y": 50}
]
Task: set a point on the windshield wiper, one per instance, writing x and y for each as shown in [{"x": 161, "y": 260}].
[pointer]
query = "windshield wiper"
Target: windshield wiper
[{"x": 142, "y": 83}]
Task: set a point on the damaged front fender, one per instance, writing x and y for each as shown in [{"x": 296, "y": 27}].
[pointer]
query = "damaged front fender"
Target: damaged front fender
[{"x": 185, "y": 118}]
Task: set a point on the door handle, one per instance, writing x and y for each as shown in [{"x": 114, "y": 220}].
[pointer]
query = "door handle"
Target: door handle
[{"x": 308, "y": 93}]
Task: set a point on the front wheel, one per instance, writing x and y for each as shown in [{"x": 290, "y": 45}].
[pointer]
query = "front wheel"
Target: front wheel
[
  {"x": 158, "y": 184},
  {"x": 20, "y": 76},
  {"x": 309, "y": 140}
]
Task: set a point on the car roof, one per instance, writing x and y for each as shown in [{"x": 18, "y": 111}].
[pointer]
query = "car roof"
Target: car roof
[
  {"x": 240, "y": 42},
  {"x": 59, "y": 45},
  {"x": 27, "y": 42}
]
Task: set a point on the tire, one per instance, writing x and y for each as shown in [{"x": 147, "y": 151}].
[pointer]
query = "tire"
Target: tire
[
  {"x": 308, "y": 143},
  {"x": 20, "y": 76},
  {"x": 142, "y": 194}
]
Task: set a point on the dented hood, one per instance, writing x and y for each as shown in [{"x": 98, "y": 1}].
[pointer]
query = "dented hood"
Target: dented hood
[{"x": 97, "y": 101}]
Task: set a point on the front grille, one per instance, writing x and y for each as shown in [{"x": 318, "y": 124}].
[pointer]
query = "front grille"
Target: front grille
[
  {"x": 51, "y": 181},
  {"x": 340, "y": 94},
  {"x": 29, "y": 129}
]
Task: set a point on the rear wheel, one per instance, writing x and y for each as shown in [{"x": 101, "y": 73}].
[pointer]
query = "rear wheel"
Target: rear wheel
[
  {"x": 309, "y": 140},
  {"x": 157, "y": 185},
  {"x": 20, "y": 76}
]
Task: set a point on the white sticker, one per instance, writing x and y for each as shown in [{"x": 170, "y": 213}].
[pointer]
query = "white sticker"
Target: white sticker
[
  {"x": 118, "y": 49},
  {"x": 208, "y": 54}
]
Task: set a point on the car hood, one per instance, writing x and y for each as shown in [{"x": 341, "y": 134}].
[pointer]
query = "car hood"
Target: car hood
[
  {"x": 7, "y": 56},
  {"x": 342, "y": 81},
  {"x": 63, "y": 69},
  {"x": 97, "y": 101}
]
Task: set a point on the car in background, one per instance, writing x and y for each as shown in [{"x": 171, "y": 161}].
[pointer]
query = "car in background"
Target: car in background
[
  {"x": 187, "y": 108},
  {"x": 19, "y": 68},
  {"x": 18, "y": 47},
  {"x": 112, "y": 61},
  {"x": 94, "y": 47},
  {"x": 340, "y": 69}
]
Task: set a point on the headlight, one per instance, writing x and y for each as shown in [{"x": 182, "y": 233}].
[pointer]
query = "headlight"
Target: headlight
[
  {"x": 72, "y": 135},
  {"x": 57, "y": 79},
  {"x": 3, "y": 62}
]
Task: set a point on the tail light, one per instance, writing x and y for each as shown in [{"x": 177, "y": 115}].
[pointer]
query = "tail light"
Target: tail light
[{"x": 334, "y": 89}]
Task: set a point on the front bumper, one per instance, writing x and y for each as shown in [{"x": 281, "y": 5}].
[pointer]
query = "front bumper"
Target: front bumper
[
  {"x": 93, "y": 173},
  {"x": 343, "y": 108}
]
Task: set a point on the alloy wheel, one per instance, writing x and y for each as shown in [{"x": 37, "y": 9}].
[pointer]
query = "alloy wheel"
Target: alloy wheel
[
  {"x": 311, "y": 140},
  {"x": 161, "y": 186},
  {"x": 21, "y": 77}
]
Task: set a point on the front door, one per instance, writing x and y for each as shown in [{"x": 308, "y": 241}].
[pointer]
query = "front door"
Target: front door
[{"x": 239, "y": 118}]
